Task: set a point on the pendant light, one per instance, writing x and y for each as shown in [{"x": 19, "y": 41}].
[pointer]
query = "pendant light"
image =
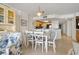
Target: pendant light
[{"x": 40, "y": 12}]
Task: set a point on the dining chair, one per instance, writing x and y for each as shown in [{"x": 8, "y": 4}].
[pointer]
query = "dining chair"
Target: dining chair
[
  {"x": 39, "y": 39},
  {"x": 52, "y": 39},
  {"x": 30, "y": 38}
]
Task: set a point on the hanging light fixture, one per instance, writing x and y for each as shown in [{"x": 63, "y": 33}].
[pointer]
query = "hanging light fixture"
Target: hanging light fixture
[{"x": 40, "y": 12}]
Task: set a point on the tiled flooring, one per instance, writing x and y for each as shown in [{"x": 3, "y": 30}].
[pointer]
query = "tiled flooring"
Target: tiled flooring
[{"x": 62, "y": 47}]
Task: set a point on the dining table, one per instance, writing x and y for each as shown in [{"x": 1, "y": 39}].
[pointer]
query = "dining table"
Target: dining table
[{"x": 46, "y": 36}]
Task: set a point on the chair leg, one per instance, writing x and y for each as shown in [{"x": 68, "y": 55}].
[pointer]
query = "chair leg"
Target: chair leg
[
  {"x": 32, "y": 45},
  {"x": 42, "y": 47},
  {"x": 27, "y": 44},
  {"x": 35, "y": 46},
  {"x": 54, "y": 47},
  {"x": 46, "y": 47}
]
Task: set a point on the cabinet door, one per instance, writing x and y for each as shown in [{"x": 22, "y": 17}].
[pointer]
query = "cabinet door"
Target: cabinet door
[
  {"x": 77, "y": 35},
  {"x": 2, "y": 14},
  {"x": 11, "y": 16}
]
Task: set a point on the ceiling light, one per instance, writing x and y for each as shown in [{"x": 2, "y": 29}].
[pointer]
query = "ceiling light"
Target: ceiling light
[{"x": 40, "y": 12}]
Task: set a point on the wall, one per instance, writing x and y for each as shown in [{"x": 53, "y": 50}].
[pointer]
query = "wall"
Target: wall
[
  {"x": 24, "y": 18},
  {"x": 74, "y": 29},
  {"x": 69, "y": 28},
  {"x": 30, "y": 23},
  {"x": 19, "y": 17},
  {"x": 18, "y": 22},
  {"x": 64, "y": 28}
]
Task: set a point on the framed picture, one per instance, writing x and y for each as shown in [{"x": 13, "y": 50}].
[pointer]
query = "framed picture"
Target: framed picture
[{"x": 23, "y": 22}]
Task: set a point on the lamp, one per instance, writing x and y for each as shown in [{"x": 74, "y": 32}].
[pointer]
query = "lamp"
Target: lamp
[{"x": 40, "y": 12}]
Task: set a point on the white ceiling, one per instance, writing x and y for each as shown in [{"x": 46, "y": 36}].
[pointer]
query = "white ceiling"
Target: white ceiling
[{"x": 49, "y": 8}]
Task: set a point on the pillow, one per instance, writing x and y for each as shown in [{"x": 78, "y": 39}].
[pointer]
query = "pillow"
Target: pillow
[{"x": 3, "y": 43}]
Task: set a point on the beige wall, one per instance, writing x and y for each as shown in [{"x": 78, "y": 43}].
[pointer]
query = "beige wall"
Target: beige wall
[{"x": 20, "y": 15}]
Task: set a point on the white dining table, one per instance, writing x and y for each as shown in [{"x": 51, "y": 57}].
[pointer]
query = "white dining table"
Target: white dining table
[{"x": 46, "y": 35}]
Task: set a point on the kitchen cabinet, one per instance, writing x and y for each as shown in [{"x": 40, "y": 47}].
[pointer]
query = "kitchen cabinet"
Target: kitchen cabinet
[
  {"x": 77, "y": 28},
  {"x": 7, "y": 18},
  {"x": 77, "y": 35}
]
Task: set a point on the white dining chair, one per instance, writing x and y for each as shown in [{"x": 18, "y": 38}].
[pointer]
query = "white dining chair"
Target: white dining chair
[
  {"x": 52, "y": 39},
  {"x": 30, "y": 38},
  {"x": 39, "y": 39}
]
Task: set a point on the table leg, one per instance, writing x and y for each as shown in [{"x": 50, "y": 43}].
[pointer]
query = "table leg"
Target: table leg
[{"x": 46, "y": 45}]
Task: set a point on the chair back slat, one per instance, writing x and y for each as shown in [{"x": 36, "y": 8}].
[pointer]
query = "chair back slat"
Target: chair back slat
[
  {"x": 38, "y": 37},
  {"x": 29, "y": 35},
  {"x": 38, "y": 32}
]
